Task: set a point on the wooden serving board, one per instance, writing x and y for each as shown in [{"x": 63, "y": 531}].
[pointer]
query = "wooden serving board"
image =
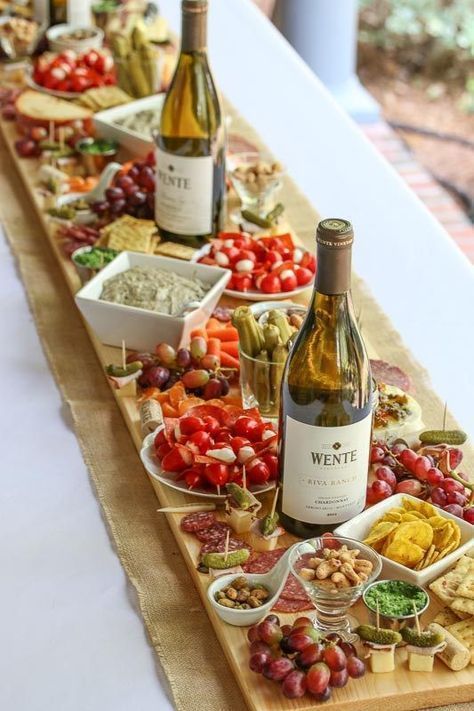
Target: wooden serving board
[{"x": 401, "y": 690}]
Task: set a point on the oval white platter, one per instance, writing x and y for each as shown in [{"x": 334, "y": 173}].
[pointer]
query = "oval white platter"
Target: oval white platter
[
  {"x": 253, "y": 295},
  {"x": 170, "y": 479}
]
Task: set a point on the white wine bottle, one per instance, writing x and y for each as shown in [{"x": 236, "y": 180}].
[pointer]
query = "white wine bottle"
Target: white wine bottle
[
  {"x": 326, "y": 400},
  {"x": 190, "y": 154}
]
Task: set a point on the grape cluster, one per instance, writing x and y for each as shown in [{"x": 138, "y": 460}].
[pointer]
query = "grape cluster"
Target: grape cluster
[
  {"x": 301, "y": 659},
  {"x": 167, "y": 366},
  {"x": 132, "y": 193},
  {"x": 401, "y": 470}
]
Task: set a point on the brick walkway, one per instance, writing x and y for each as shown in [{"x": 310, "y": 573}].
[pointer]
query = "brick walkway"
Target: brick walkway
[{"x": 443, "y": 206}]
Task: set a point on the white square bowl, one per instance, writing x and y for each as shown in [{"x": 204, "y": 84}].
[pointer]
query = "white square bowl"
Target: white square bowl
[
  {"x": 136, "y": 143},
  {"x": 360, "y": 525},
  {"x": 141, "y": 329}
]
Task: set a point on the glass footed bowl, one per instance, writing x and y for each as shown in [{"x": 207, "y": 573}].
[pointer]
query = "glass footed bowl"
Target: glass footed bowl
[
  {"x": 332, "y": 604},
  {"x": 256, "y": 178}
]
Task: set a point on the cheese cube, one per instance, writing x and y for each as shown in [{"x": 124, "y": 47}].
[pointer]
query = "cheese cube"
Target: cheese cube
[
  {"x": 262, "y": 544},
  {"x": 420, "y": 662},
  {"x": 382, "y": 660},
  {"x": 239, "y": 520}
]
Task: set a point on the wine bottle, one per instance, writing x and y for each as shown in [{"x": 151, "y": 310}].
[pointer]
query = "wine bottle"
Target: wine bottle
[
  {"x": 190, "y": 154},
  {"x": 326, "y": 400}
]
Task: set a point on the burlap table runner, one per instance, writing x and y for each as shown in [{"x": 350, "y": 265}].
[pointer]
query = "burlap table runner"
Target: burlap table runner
[{"x": 178, "y": 628}]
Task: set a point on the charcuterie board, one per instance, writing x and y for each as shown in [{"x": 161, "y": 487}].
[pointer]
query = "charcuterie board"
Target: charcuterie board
[{"x": 402, "y": 689}]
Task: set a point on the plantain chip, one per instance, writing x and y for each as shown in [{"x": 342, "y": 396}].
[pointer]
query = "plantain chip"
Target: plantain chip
[{"x": 404, "y": 552}]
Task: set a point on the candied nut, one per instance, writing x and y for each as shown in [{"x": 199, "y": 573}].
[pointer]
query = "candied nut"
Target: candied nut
[
  {"x": 326, "y": 584},
  {"x": 231, "y": 593},
  {"x": 314, "y": 562},
  {"x": 325, "y": 569},
  {"x": 245, "y": 606},
  {"x": 350, "y": 573},
  {"x": 220, "y": 595},
  {"x": 259, "y": 594},
  {"x": 363, "y": 577},
  {"x": 243, "y": 595},
  {"x": 254, "y": 601},
  {"x": 227, "y": 603},
  {"x": 340, "y": 580},
  {"x": 240, "y": 583},
  {"x": 363, "y": 566},
  {"x": 307, "y": 573},
  {"x": 349, "y": 556}
]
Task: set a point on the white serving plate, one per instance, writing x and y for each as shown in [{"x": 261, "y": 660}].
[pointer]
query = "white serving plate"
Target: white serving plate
[
  {"x": 360, "y": 525},
  {"x": 57, "y": 44},
  {"x": 141, "y": 329},
  {"x": 136, "y": 143},
  {"x": 253, "y": 295},
  {"x": 169, "y": 479},
  {"x": 52, "y": 92}
]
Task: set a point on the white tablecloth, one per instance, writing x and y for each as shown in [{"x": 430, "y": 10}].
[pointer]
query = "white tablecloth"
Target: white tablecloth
[{"x": 71, "y": 639}]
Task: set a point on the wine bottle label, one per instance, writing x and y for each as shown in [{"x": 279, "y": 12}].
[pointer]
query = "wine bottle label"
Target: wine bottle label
[
  {"x": 183, "y": 202},
  {"x": 325, "y": 471}
]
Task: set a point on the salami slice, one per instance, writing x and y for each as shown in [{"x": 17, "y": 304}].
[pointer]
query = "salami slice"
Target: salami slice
[
  {"x": 197, "y": 521},
  {"x": 235, "y": 544},
  {"x": 293, "y": 590},
  {"x": 384, "y": 372},
  {"x": 216, "y": 532},
  {"x": 283, "y": 605},
  {"x": 263, "y": 562}
]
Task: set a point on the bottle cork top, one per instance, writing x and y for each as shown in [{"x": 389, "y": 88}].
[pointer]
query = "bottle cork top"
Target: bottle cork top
[{"x": 335, "y": 233}]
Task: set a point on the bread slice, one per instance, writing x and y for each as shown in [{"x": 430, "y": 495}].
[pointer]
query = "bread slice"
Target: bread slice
[{"x": 36, "y": 106}]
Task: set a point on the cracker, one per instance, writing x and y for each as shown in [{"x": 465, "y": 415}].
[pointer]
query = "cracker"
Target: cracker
[
  {"x": 445, "y": 617},
  {"x": 178, "y": 251},
  {"x": 129, "y": 233},
  {"x": 464, "y": 632},
  {"x": 445, "y": 586},
  {"x": 465, "y": 563},
  {"x": 466, "y": 588},
  {"x": 463, "y": 604}
]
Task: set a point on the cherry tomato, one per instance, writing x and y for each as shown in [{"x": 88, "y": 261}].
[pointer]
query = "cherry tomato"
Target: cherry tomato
[
  {"x": 38, "y": 133},
  {"x": 79, "y": 83},
  {"x": 211, "y": 424},
  {"x": 308, "y": 261},
  {"x": 261, "y": 428},
  {"x": 237, "y": 442},
  {"x": 246, "y": 427},
  {"x": 235, "y": 474},
  {"x": 104, "y": 63},
  {"x": 193, "y": 478},
  {"x": 231, "y": 252},
  {"x": 90, "y": 59},
  {"x": 160, "y": 438},
  {"x": 258, "y": 472},
  {"x": 289, "y": 282},
  {"x": 273, "y": 257},
  {"x": 223, "y": 436},
  {"x": 303, "y": 276},
  {"x": 272, "y": 463},
  {"x": 241, "y": 282},
  {"x": 162, "y": 450},
  {"x": 190, "y": 424},
  {"x": 176, "y": 460},
  {"x": 270, "y": 284},
  {"x": 199, "y": 442},
  {"x": 216, "y": 474}
]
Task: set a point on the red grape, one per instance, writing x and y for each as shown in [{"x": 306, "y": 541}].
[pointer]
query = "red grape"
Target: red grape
[
  {"x": 297, "y": 641},
  {"x": 454, "y": 497},
  {"x": 310, "y": 655},
  {"x": 348, "y": 649},
  {"x": 302, "y": 622},
  {"x": 422, "y": 466},
  {"x": 335, "y": 658},
  {"x": 272, "y": 618},
  {"x": 154, "y": 377},
  {"x": 277, "y": 669},
  {"x": 455, "y": 457},
  {"x": 137, "y": 198},
  {"x": 134, "y": 172},
  {"x": 259, "y": 646},
  {"x": 225, "y": 387},
  {"x": 324, "y": 696},
  {"x": 398, "y": 448},
  {"x": 286, "y": 629},
  {"x": 269, "y": 632},
  {"x": 409, "y": 486},
  {"x": 339, "y": 679},
  {"x": 408, "y": 458},
  {"x": 198, "y": 348},
  {"x": 376, "y": 454},
  {"x": 370, "y": 496},
  {"x": 212, "y": 389},
  {"x": 183, "y": 358},
  {"x": 355, "y": 667},
  {"x": 451, "y": 485},
  {"x": 454, "y": 509},
  {"x": 438, "y": 496},
  {"x": 381, "y": 490},
  {"x": 252, "y": 634},
  {"x": 294, "y": 684},
  {"x": 435, "y": 476},
  {"x": 26, "y": 148},
  {"x": 165, "y": 353},
  {"x": 113, "y": 194},
  {"x": 384, "y": 473},
  {"x": 333, "y": 637},
  {"x": 100, "y": 207},
  {"x": 210, "y": 362},
  {"x": 146, "y": 179},
  {"x": 389, "y": 461},
  {"x": 469, "y": 514},
  {"x": 146, "y": 358},
  {"x": 258, "y": 661},
  {"x": 117, "y": 206},
  {"x": 317, "y": 678}
]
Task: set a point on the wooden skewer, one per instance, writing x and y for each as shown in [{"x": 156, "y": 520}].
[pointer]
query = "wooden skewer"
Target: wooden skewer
[
  {"x": 275, "y": 498},
  {"x": 377, "y": 615},
  {"x": 226, "y": 550},
  {"x": 124, "y": 355},
  {"x": 417, "y": 619},
  {"x": 445, "y": 414},
  {"x": 51, "y": 131},
  {"x": 218, "y": 490},
  {"x": 244, "y": 478},
  {"x": 187, "y": 508},
  {"x": 61, "y": 137}
]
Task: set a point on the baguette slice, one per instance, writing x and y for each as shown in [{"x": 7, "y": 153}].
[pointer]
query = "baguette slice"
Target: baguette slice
[{"x": 36, "y": 106}]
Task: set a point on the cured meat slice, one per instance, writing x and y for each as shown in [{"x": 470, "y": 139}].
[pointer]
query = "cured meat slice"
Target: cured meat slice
[
  {"x": 283, "y": 605},
  {"x": 197, "y": 521},
  {"x": 263, "y": 562},
  {"x": 293, "y": 590},
  {"x": 215, "y": 533},
  {"x": 235, "y": 544},
  {"x": 384, "y": 372}
]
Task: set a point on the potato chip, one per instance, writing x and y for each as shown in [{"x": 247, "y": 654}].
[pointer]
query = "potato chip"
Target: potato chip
[
  {"x": 442, "y": 536},
  {"x": 427, "y": 509},
  {"x": 411, "y": 504},
  {"x": 380, "y": 531},
  {"x": 392, "y": 516},
  {"x": 410, "y": 516},
  {"x": 436, "y": 521},
  {"x": 418, "y": 532},
  {"x": 408, "y": 554}
]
